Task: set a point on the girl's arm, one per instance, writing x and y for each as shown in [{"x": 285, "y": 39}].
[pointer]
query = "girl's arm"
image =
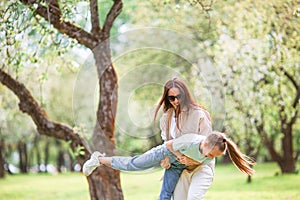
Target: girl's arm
[
  {"x": 169, "y": 145},
  {"x": 181, "y": 157},
  {"x": 188, "y": 161}
]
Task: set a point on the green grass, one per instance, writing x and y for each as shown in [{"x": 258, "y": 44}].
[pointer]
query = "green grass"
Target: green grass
[
  {"x": 228, "y": 184},
  {"x": 33, "y": 187}
]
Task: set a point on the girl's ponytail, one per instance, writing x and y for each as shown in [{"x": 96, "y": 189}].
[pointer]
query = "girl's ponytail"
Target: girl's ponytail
[{"x": 240, "y": 160}]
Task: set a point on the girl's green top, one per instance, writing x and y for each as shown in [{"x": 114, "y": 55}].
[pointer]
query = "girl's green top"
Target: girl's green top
[{"x": 189, "y": 145}]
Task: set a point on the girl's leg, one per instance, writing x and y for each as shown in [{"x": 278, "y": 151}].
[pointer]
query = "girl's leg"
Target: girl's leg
[
  {"x": 145, "y": 161},
  {"x": 105, "y": 161}
]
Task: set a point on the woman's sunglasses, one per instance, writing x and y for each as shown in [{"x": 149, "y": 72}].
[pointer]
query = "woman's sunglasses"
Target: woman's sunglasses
[{"x": 172, "y": 98}]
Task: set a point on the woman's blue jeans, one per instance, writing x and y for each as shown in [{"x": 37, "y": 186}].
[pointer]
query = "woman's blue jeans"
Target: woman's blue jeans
[
  {"x": 171, "y": 177},
  {"x": 151, "y": 159}
]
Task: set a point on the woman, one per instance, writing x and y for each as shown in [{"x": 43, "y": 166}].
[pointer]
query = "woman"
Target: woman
[{"x": 183, "y": 115}]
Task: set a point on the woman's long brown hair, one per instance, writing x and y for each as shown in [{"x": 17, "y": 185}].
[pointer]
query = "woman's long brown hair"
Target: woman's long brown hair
[
  {"x": 240, "y": 160},
  {"x": 187, "y": 101}
]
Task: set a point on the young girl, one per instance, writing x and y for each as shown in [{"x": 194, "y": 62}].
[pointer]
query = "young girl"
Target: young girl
[{"x": 197, "y": 147}]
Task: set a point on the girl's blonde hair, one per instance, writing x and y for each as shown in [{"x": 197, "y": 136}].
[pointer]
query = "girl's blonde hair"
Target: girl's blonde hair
[{"x": 240, "y": 160}]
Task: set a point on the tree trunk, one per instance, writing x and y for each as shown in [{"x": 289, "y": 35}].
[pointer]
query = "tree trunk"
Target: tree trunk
[
  {"x": 106, "y": 180},
  {"x": 287, "y": 163},
  {"x": 37, "y": 152},
  {"x": 2, "y": 160},
  {"x": 106, "y": 184},
  {"x": 249, "y": 179},
  {"x": 70, "y": 162},
  {"x": 22, "y": 148},
  {"x": 46, "y": 152},
  {"x": 60, "y": 161}
]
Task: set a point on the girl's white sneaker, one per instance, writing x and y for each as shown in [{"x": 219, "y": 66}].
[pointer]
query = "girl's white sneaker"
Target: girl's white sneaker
[{"x": 90, "y": 165}]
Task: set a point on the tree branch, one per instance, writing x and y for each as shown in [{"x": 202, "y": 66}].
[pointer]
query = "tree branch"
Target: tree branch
[
  {"x": 45, "y": 126},
  {"x": 52, "y": 14},
  {"x": 294, "y": 82},
  {"x": 54, "y": 7},
  {"x": 94, "y": 17},
  {"x": 111, "y": 16},
  {"x": 261, "y": 131},
  {"x": 260, "y": 128}
]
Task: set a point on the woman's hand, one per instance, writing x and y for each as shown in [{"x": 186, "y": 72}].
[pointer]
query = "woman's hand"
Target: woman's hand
[
  {"x": 187, "y": 161},
  {"x": 165, "y": 163}
]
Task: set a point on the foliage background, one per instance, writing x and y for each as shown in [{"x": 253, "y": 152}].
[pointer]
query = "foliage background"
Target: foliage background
[{"x": 250, "y": 44}]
